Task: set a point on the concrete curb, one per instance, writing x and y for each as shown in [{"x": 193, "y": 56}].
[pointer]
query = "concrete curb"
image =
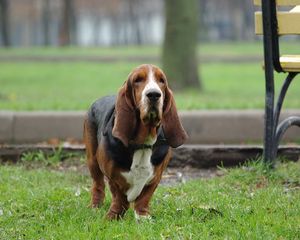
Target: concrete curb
[{"x": 203, "y": 127}]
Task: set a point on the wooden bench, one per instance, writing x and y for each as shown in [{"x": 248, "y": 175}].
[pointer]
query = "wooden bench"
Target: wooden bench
[{"x": 273, "y": 22}]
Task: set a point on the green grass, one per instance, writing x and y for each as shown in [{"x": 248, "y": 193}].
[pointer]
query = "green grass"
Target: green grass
[
  {"x": 246, "y": 203},
  {"x": 74, "y": 86},
  {"x": 219, "y": 48}
]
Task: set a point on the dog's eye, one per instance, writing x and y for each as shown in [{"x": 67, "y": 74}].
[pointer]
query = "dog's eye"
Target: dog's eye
[
  {"x": 161, "y": 80},
  {"x": 138, "y": 80}
]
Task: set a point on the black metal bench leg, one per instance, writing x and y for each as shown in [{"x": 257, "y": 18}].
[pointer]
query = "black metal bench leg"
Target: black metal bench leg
[
  {"x": 280, "y": 129},
  {"x": 269, "y": 81},
  {"x": 269, "y": 120},
  {"x": 283, "y": 126},
  {"x": 282, "y": 94},
  {"x": 273, "y": 131}
]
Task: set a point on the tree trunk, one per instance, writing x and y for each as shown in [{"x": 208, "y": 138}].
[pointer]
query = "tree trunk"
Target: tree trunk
[
  {"x": 46, "y": 22},
  {"x": 134, "y": 21},
  {"x": 4, "y": 22},
  {"x": 96, "y": 26},
  {"x": 68, "y": 26},
  {"x": 179, "y": 56}
]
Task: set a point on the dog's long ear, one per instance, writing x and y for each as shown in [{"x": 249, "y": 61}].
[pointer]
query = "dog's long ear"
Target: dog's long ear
[
  {"x": 125, "y": 119},
  {"x": 173, "y": 129}
]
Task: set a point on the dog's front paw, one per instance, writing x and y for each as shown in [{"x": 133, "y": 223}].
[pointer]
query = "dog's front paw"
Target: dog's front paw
[
  {"x": 96, "y": 202},
  {"x": 95, "y": 205},
  {"x": 98, "y": 196},
  {"x": 111, "y": 215}
]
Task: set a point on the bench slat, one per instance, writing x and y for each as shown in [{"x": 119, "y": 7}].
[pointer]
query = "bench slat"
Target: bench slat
[
  {"x": 281, "y": 2},
  {"x": 290, "y": 63},
  {"x": 288, "y": 22},
  {"x": 296, "y": 9}
]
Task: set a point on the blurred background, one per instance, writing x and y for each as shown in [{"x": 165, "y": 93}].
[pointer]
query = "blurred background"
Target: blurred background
[
  {"x": 115, "y": 22},
  {"x": 63, "y": 54}
]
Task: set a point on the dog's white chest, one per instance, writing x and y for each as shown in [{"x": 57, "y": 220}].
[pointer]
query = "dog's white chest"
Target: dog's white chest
[{"x": 140, "y": 174}]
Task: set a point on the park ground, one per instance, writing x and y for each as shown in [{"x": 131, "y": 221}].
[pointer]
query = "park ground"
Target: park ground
[{"x": 42, "y": 199}]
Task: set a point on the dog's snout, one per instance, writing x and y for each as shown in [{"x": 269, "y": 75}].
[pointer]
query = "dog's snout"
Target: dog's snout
[{"x": 153, "y": 96}]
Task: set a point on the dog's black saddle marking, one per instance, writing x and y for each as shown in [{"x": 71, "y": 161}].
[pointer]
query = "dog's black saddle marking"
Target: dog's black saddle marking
[{"x": 121, "y": 154}]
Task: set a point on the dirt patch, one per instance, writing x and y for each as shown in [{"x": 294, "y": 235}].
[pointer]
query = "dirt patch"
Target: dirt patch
[
  {"x": 172, "y": 175},
  {"x": 181, "y": 175},
  {"x": 195, "y": 156}
]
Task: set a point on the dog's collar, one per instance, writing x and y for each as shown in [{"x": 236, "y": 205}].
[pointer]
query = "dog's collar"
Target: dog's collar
[
  {"x": 161, "y": 141},
  {"x": 136, "y": 147}
]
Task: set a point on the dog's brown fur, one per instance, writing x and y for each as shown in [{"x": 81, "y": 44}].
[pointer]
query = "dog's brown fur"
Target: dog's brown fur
[{"x": 98, "y": 160}]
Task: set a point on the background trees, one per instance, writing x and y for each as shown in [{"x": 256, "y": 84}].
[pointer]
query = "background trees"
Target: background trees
[
  {"x": 46, "y": 21},
  {"x": 4, "y": 22},
  {"x": 68, "y": 23},
  {"x": 115, "y": 22}
]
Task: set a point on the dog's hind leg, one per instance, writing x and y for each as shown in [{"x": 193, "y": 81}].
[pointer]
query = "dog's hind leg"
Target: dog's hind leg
[{"x": 98, "y": 188}]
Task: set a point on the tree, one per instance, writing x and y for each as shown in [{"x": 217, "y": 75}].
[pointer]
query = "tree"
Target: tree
[
  {"x": 179, "y": 56},
  {"x": 68, "y": 25},
  {"x": 133, "y": 9},
  {"x": 4, "y": 22},
  {"x": 46, "y": 22}
]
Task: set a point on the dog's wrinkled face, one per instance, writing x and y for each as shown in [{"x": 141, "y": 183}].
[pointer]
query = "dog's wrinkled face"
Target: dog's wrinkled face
[
  {"x": 148, "y": 88},
  {"x": 147, "y": 91}
]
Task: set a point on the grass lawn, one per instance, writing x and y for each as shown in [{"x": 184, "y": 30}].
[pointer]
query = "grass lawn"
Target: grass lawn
[
  {"x": 74, "y": 86},
  {"x": 218, "y": 48},
  {"x": 245, "y": 203}
]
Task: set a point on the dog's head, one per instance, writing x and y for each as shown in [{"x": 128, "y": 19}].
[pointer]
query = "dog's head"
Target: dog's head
[{"x": 146, "y": 98}]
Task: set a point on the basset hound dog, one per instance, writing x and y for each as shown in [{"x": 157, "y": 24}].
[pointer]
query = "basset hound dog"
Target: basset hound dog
[{"x": 128, "y": 140}]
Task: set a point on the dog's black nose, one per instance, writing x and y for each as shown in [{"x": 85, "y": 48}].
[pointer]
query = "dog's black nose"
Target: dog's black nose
[{"x": 153, "y": 96}]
